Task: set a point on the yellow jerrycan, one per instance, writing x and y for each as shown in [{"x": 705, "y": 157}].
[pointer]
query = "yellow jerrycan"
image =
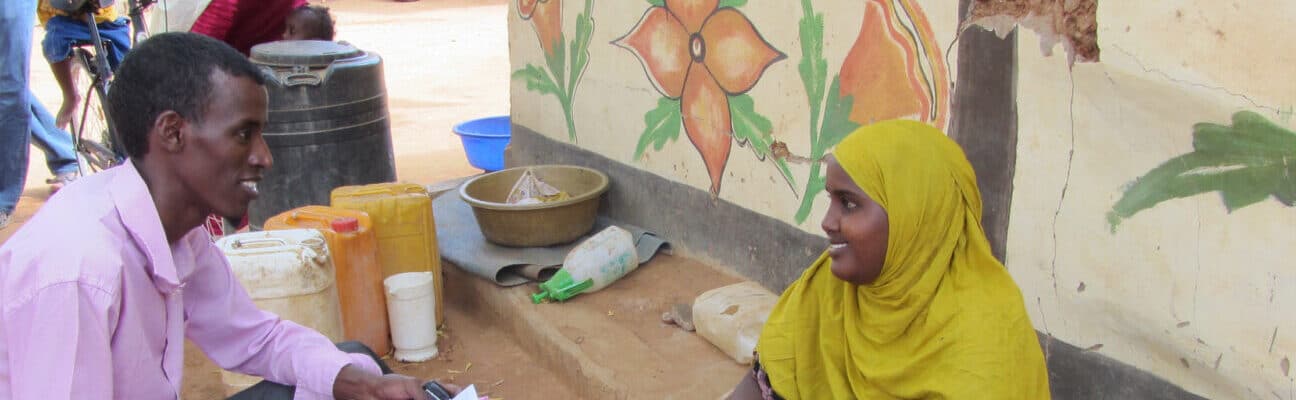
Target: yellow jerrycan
[{"x": 405, "y": 228}]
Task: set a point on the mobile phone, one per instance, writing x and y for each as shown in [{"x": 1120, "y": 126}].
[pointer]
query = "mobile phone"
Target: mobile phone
[{"x": 435, "y": 391}]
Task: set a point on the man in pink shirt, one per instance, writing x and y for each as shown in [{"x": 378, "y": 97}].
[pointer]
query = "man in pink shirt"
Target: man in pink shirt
[{"x": 100, "y": 288}]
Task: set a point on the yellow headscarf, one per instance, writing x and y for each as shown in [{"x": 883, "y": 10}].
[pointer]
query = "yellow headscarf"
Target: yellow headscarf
[{"x": 943, "y": 320}]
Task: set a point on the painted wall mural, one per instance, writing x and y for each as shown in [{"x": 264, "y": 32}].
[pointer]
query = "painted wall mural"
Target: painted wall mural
[
  {"x": 894, "y": 70},
  {"x": 703, "y": 56},
  {"x": 1246, "y": 163},
  {"x": 560, "y": 75}
]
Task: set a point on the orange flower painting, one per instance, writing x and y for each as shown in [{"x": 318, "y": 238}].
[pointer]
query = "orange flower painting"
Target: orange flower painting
[
  {"x": 702, "y": 54},
  {"x": 895, "y": 70},
  {"x": 546, "y": 18}
]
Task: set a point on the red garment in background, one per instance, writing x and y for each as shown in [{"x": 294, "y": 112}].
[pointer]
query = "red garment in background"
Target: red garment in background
[{"x": 245, "y": 23}]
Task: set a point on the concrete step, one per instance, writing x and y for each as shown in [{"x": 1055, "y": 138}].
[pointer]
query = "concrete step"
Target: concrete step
[{"x": 611, "y": 344}]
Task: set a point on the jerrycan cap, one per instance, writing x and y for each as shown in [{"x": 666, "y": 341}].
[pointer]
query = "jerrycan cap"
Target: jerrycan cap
[{"x": 345, "y": 224}]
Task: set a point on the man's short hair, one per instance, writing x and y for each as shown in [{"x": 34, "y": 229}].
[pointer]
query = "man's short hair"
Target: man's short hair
[{"x": 169, "y": 71}]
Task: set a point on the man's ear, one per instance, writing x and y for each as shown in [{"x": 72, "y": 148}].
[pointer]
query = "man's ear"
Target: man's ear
[{"x": 167, "y": 133}]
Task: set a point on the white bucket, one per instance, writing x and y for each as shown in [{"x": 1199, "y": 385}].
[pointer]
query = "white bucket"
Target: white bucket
[{"x": 411, "y": 308}]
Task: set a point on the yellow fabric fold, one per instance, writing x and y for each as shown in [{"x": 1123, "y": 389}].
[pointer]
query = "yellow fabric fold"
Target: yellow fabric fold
[
  {"x": 943, "y": 320},
  {"x": 45, "y": 11}
]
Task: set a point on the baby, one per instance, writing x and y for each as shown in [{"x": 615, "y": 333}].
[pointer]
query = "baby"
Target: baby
[{"x": 309, "y": 22}]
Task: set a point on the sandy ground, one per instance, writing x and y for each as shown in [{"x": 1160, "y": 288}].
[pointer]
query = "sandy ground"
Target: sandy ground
[{"x": 445, "y": 61}]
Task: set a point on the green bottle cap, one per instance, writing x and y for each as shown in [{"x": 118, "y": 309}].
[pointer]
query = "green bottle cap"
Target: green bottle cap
[{"x": 560, "y": 288}]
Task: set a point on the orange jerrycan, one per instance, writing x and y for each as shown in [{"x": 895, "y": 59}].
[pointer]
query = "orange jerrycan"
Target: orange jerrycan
[
  {"x": 402, "y": 220},
  {"x": 351, "y": 240}
]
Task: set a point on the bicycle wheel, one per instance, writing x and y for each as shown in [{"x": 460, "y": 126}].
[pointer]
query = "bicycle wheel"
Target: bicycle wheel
[{"x": 90, "y": 131}]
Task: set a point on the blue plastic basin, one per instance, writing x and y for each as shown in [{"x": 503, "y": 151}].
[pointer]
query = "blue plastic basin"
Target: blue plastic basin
[{"x": 484, "y": 140}]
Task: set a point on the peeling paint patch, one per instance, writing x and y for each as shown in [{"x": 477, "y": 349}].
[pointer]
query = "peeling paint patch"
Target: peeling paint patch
[
  {"x": 1074, "y": 23},
  {"x": 779, "y": 151}
]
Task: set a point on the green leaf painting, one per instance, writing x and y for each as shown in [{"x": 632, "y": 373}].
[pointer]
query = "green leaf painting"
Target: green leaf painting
[
  {"x": 662, "y": 124},
  {"x": 753, "y": 130},
  {"x": 565, "y": 62},
  {"x": 537, "y": 80},
  {"x": 1246, "y": 163},
  {"x": 836, "y": 120}
]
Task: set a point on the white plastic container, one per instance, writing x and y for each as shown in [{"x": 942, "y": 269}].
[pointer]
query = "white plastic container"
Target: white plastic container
[
  {"x": 731, "y": 317},
  {"x": 592, "y": 265},
  {"x": 411, "y": 308},
  {"x": 288, "y": 273}
]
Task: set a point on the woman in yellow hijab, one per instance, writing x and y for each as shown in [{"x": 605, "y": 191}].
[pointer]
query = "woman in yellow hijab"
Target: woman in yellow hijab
[{"x": 907, "y": 302}]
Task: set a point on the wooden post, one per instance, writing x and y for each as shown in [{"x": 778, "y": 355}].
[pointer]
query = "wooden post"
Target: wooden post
[{"x": 985, "y": 121}]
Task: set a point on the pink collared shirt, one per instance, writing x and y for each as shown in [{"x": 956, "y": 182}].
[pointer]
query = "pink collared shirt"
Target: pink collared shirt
[{"x": 95, "y": 304}]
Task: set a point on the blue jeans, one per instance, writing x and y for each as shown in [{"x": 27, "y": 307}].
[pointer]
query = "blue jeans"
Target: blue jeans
[
  {"x": 17, "y": 18},
  {"x": 61, "y": 32},
  {"x": 55, "y": 142}
]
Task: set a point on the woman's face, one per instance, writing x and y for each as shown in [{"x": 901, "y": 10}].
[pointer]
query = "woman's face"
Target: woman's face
[{"x": 856, "y": 227}]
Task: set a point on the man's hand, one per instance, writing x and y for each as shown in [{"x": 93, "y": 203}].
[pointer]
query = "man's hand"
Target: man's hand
[{"x": 353, "y": 383}]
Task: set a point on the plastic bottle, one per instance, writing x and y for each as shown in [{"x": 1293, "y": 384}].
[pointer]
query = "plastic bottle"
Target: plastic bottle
[{"x": 592, "y": 265}]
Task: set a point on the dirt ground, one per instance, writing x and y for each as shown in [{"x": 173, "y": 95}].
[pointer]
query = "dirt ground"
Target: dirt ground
[{"x": 445, "y": 61}]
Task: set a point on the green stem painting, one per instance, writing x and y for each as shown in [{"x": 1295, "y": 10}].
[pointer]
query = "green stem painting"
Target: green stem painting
[{"x": 560, "y": 75}]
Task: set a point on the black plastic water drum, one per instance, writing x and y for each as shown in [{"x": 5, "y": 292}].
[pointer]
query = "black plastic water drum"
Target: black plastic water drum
[{"x": 327, "y": 126}]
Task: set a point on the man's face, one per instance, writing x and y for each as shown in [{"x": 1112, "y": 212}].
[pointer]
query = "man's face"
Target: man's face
[{"x": 224, "y": 154}]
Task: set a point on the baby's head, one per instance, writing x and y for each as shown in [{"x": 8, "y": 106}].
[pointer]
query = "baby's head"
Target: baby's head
[{"x": 309, "y": 22}]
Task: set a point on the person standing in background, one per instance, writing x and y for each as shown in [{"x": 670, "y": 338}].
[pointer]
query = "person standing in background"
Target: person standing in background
[
  {"x": 245, "y": 23},
  {"x": 16, "y": 21},
  {"x": 22, "y": 117}
]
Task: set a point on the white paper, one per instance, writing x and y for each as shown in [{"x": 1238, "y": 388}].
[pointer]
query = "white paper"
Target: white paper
[{"x": 468, "y": 393}]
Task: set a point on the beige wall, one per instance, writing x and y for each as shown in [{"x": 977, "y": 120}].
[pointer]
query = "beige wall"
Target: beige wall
[
  {"x": 615, "y": 93},
  {"x": 1184, "y": 289}
]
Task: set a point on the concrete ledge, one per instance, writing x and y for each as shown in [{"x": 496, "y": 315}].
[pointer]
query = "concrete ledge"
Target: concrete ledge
[{"x": 611, "y": 344}]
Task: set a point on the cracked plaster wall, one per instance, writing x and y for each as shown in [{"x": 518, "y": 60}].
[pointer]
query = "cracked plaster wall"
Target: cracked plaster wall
[{"x": 1185, "y": 290}]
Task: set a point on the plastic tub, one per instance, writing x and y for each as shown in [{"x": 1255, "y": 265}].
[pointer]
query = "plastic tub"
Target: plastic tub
[
  {"x": 542, "y": 224},
  {"x": 484, "y": 140}
]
